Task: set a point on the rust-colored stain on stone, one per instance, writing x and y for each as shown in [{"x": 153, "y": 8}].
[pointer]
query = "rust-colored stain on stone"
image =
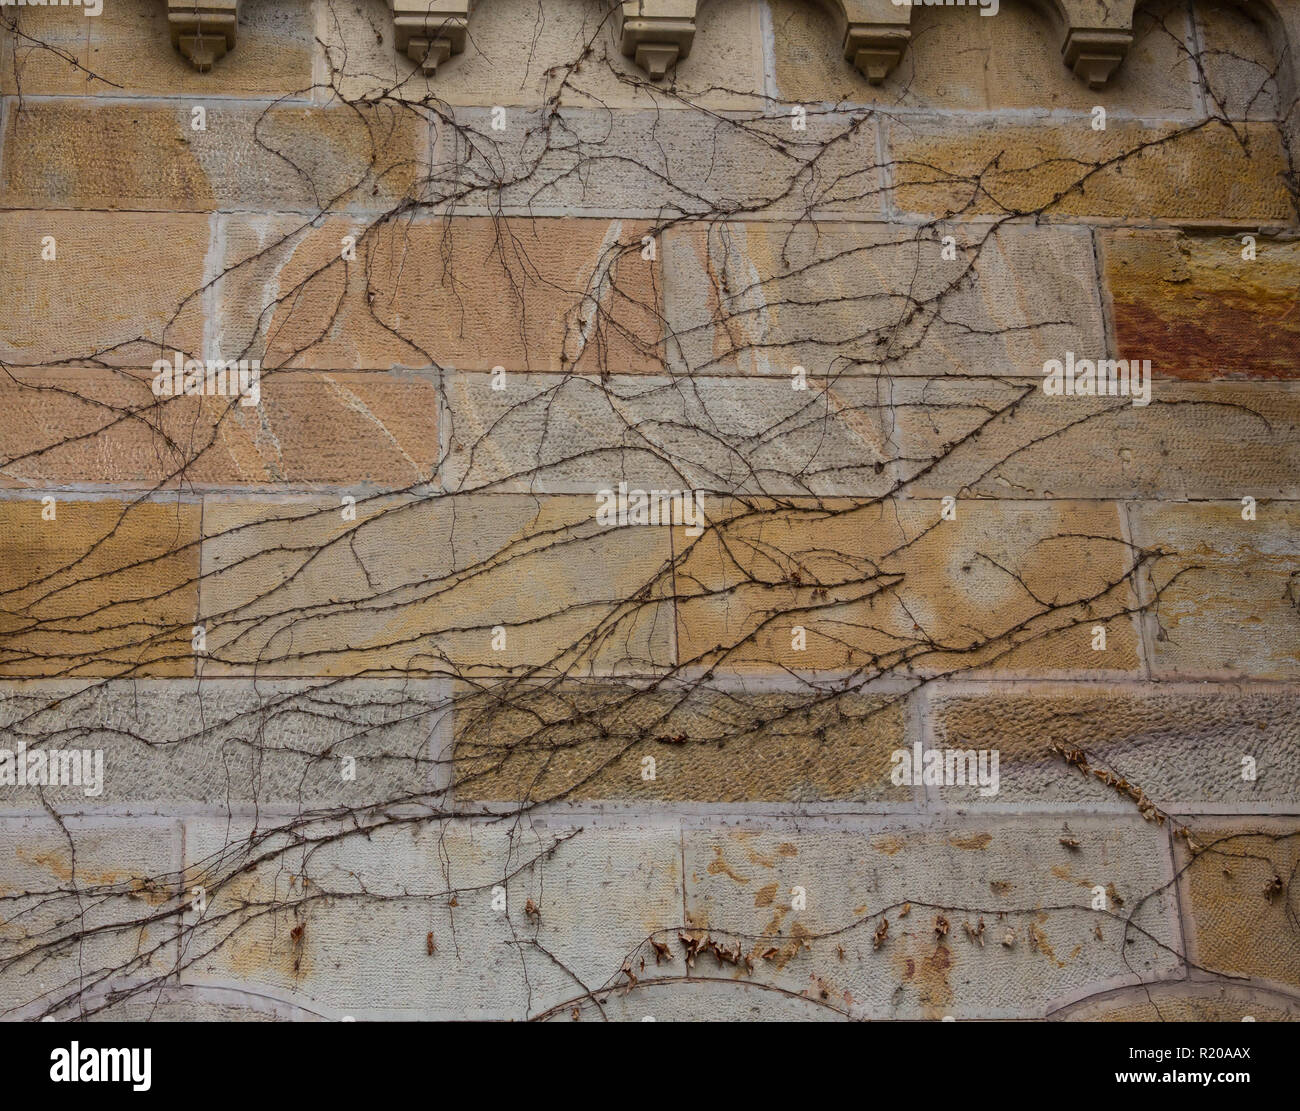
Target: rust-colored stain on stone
[
  {"x": 719, "y": 866},
  {"x": 1198, "y": 310},
  {"x": 974, "y": 841}
]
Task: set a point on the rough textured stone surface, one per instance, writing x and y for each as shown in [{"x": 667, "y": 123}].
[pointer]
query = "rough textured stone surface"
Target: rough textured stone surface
[
  {"x": 125, "y": 50},
  {"x": 875, "y": 584},
  {"x": 1129, "y": 171},
  {"x": 393, "y": 565},
  {"x": 1197, "y": 309},
  {"x": 518, "y": 54},
  {"x": 1009, "y": 439},
  {"x": 1240, "y": 901},
  {"x": 1182, "y": 746},
  {"x": 107, "y": 588},
  {"x": 597, "y": 898},
  {"x": 173, "y": 747},
  {"x": 80, "y": 426},
  {"x": 468, "y": 293},
  {"x": 64, "y": 154},
  {"x": 554, "y": 433},
  {"x": 420, "y": 584},
  {"x": 839, "y": 298},
  {"x": 127, "y": 864},
  {"x": 1227, "y": 588},
  {"x": 578, "y": 743},
  {"x": 739, "y": 883},
  {"x": 1183, "y": 1003},
  {"x": 705, "y": 164},
  {"x": 1241, "y": 64},
  {"x": 121, "y": 288}
]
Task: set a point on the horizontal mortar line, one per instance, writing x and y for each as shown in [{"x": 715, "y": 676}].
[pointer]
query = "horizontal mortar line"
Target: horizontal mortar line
[
  {"x": 969, "y": 379},
  {"x": 778, "y": 110},
  {"x": 957, "y": 686},
  {"x": 190, "y": 496},
  {"x": 519, "y": 488},
  {"x": 949, "y": 115},
  {"x": 776, "y": 682},
  {"x": 1191, "y": 809},
  {"x": 763, "y": 110},
  {"x": 312, "y": 213},
  {"x": 128, "y": 99},
  {"x": 433, "y": 214},
  {"x": 868, "y": 820}
]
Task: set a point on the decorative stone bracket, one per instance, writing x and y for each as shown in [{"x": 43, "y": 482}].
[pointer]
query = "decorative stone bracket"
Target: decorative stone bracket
[
  {"x": 430, "y": 31},
  {"x": 1094, "y": 54},
  {"x": 657, "y": 33},
  {"x": 203, "y": 32},
  {"x": 1096, "y": 34}
]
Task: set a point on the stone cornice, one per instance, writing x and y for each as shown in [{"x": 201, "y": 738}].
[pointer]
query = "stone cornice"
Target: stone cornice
[{"x": 1095, "y": 35}]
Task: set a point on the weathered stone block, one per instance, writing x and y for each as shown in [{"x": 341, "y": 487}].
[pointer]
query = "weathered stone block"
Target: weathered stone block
[
  {"x": 581, "y": 742},
  {"x": 113, "y": 882},
  {"x": 1010, "y": 873},
  {"x": 1197, "y": 309},
  {"x": 705, "y": 164},
  {"x": 120, "y": 288},
  {"x": 551, "y": 433},
  {"x": 843, "y": 298},
  {"x": 1008, "y": 439},
  {"x": 596, "y": 895},
  {"x": 107, "y": 588},
  {"x": 1183, "y": 747},
  {"x": 468, "y": 293},
  {"x": 80, "y": 426},
  {"x": 1225, "y": 589},
  {"x": 1006, "y": 586},
  {"x": 68, "y": 154},
  {"x": 419, "y": 584},
  {"x": 125, "y": 50},
  {"x": 1127, "y": 172},
  {"x": 1239, "y": 900},
  {"x": 180, "y": 746}
]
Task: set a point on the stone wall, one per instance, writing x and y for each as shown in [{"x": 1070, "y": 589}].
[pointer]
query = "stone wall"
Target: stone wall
[{"x": 394, "y": 725}]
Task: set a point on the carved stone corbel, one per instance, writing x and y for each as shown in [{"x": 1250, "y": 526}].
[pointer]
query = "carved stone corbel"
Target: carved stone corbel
[
  {"x": 876, "y": 49},
  {"x": 1097, "y": 36},
  {"x": 430, "y": 31},
  {"x": 876, "y": 34},
  {"x": 203, "y": 32},
  {"x": 1095, "y": 54},
  {"x": 657, "y": 34}
]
